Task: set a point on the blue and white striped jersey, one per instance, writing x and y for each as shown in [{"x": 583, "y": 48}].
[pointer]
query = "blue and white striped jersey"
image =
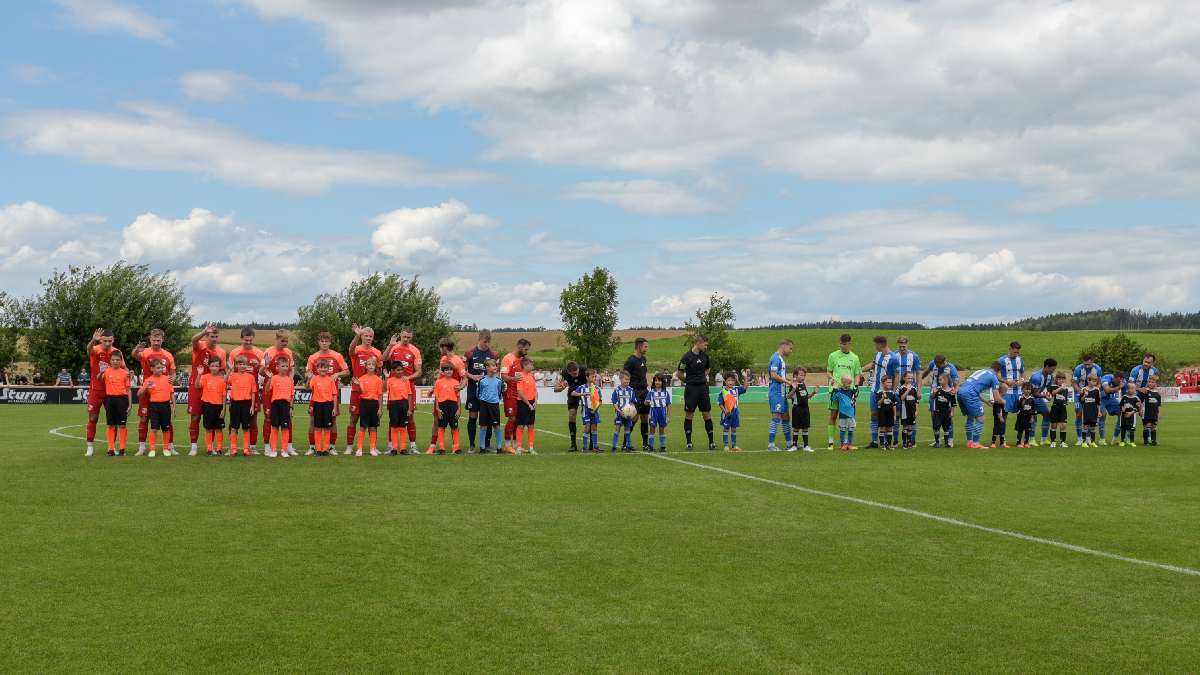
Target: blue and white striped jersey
[
  {"x": 1140, "y": 375},
  {"x": 623, "y": 396},
  {"x": 1011, "y": 367},
  {"x": 906, "y": 362},
  {"x": 659, "y": 398},
  {"x": 885, "y": 364}
]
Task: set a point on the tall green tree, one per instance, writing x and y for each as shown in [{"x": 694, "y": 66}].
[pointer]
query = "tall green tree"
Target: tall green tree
[
  {"x": 715, "y": 322},
  {"x": 1118, "y": 354},
  {"x": 589, "y": 314},
  {"x": 384, "y": 301},
  {"x": 127, "y": 299},
  {"x": 8, "y": 330}
]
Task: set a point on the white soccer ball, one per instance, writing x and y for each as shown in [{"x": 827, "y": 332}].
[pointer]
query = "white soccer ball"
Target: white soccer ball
[{"x": 629, "y": 411}]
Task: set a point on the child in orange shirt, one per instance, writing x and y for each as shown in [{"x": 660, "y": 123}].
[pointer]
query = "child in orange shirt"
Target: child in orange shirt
[
  {"x": 324, "y": 395},
  {"x": 370, "y": 390},
  {"x": 118, "y": 397},
  {"x": 526, "y": 406},
  {"x": 399, "y": 392},
  {"x": 279, "y": 391},
  {"x": 213, "y": 386},
  {"x": 242, "y": 386},
  {"x": 445, "y": 396},
  {"x": 162, "y": 405}
]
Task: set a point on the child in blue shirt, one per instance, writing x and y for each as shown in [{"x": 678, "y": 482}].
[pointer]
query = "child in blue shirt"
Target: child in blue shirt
[
  {"x": 731, "y": 417},
  {"x": 621, "y": 397},
  {"x": 659, "y": 400},
  {"x": 589, "y": 400},
  {"x": 489, "y": 389},
  {"x": 846, "y": 398}
]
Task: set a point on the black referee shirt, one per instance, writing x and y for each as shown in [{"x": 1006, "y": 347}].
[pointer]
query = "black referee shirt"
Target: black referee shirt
[
  {"x": 636, "y": 367},
  {"x": 575, "y": 381},
  {"x": 694, "y": 367}
]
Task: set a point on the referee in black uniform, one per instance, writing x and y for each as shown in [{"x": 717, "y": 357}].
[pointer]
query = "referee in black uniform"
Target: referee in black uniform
[
  {"x": 693, "y": 366},
  {"x": 571, "y": 378},
  {"x": 635, "y": 365}
]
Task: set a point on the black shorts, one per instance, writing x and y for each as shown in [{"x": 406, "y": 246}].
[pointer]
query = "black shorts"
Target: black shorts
[
  {"x": 160, "y": 416},
  {"x": 214, "y": 416},
  {"x": 322, "y": 415},
  {"x": 1058, "y": 414},
  {"x": 398, "y": 413},
  {"x": 1091, "y": 417},
  {"x": 572, "y": 401},
  {"x": 526, "y": 416},
  {"x": 368, "y": 413},
  {"x": 886, "y": 417},
  {"x": 489, "y": 414},
  {"x": 239, "y": 415},
  {"x": 801, "y": 419},
  {"x": 639, "y": 397},
  {"x": 281, "y": 414},
  {"x": 449, "y": 416},
  {"x": 910, "y": 413},
  {"x": 1150, "y": 419},
  {"x": 116, "y": 410},
  {"x": 941, "y": 421},
  {"x": 998, "y": 414},
  {"x": 696, "y": 396}
]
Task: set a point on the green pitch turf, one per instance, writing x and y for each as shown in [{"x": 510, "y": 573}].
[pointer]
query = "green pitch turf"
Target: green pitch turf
[{"x": 623, "y": 562}]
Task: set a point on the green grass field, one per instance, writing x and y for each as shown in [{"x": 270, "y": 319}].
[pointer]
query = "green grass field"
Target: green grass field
[{"x": 624, "y": 562}]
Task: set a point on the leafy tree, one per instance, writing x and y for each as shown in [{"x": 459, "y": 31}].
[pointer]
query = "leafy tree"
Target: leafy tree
[
  {"x": 1118, "y": 354},
  {"x": 384, "y": 301},
  {"x": 715, "y": 322},
  {"x": 589, "y": 314},
  {"x": 8, "y": 330},
  {"x": 127, "y": 299}
]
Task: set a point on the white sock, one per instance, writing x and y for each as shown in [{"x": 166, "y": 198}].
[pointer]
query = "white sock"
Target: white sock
[
  {"x": 141, "y": 445},
  {"x": 193, "y": 446}
]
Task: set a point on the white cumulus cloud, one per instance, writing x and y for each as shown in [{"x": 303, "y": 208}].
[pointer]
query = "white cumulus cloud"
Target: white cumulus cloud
[
  {"x": 110, "y": 16},
  {"x": 151, "y": 237},
  {"x": 412, "y": 237}
]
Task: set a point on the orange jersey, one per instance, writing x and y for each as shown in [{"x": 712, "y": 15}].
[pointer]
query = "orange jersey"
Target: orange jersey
[
  {"x": 254, "y": 358},
  {"x": 200, "y": 358},
  {"x": 359, "y": 358},
  {"x": 116, "y": 381},
  {"x": 331, "y": 357},
  {"x": 272, "y": 356},
  {"x": 407, "y": 358},
  {"x": 324, "y": 389},
  {"x": 212, "y": 388},
  {"x": 281, "y": 388},
  {"x": 242, "y": 386},
  {"x": 99, "y": 355},
  {"x": 527, "y": 387},
  {"x": 151, "y": 354},
  {"x": 370, "y": 387},
  {"x": 399, "y": 389},
  {"x": 510, "y": 365},
  {"x": 159, "y": 387},
  {"x": 445, "y": 389},
  {"x": 457, "y": 364}
]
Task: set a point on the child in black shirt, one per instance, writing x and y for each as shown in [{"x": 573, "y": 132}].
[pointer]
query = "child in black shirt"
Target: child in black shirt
[
  {"x": 909, "y": 395},
  {"x": 1026, "y": 411}
]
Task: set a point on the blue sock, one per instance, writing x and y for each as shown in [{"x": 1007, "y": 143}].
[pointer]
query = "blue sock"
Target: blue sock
[
  {"x": 662, "y": 440},
  {"x": 1079, "y": 427},
  {"x": 850, "y": 437},
  {"x": 842, "y": 436},
  {"x": 616, "y": 435},
  {"x": 587, "y": 441},
  {"x": 627, "y": 444},
  {"x": 912, "y": 435},
  {"x": 774, "y": 428},
  {"x": 650, "y": 440},
  {"x": 1103, "y": 427},
  {"x": 874, "y": 430},
  {"x": 725, "y": 437},
  {"x": 733, "y": 437},
  {"x": 950, "y": 432},
  {"x": 787, "y": 432},
  {"x": 1045, "y": 427}
]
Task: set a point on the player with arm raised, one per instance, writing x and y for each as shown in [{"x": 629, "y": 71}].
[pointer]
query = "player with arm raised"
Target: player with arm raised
[
  {"x": 841, "y": 363},
  {"x": 476, "y": 360},
  {"x": 204, "y": 349},
  {"x": 402, "y": 354},
  {"x": 693, "y": 371},
  {"x": 99, "y": 350},
  {"x": 777, "y": 391},
  {"x": 145, "y": 356},
  {"x": 254, "y": 360},
  {"x": 361, "y": 351},
  {"x": 882, "y": 365}
]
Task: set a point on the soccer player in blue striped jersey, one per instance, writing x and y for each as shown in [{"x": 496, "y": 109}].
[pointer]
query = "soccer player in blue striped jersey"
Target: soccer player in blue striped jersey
[
  {"x": 1012, "y": 372},
  {"x": 1041, "y": 381},
  {"x": 906, "y": 362},
  {"x": 970, "y": 399},
  {"x": 934, "y": 372},
  {"x": 621, "y": 397},
  {"x": 882, "y": 365},
  {"x": 659, "y": 400},
  {"x": 1079, "y": 380},
  {"x": 777, "y": 391}
]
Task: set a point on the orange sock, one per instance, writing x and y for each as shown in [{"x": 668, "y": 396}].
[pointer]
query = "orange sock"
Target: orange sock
[
  {"x": 287, "y": 438},
  {"x": 233, "y": 446},
  {"x": 441, "y": 438},
  {"x": 122, "y": 434},
  {"x": 454, "y": 434},
  {"x": 360, "y": 440},
  {"x": 208, "y": 440},
  {"x": 246, "y": 441},
  {"x": 168, "y": 437},
  {"x": 220, "y": 440},
  {"x": 111, "y": 432},
  {"x": 520, "y": 436},
  {"x": 150, "y": 439},
  {"x": 403, "y": 438},
  {"x": 532, "y": 433},
  {"x": 374, "y": 437}
]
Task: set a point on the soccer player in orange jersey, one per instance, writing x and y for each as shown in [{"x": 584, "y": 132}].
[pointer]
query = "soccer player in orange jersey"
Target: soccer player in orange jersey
[
  {"x": 279, "y": 392},
  {"x": 445, "y": 396},
  {"x": 370, "y": 391},
  {"x": 526, "y": 406},
  {"x": 118, "y": 398},
  {"x": 271, "y": 359},
  {"x": 361, "y": 351},
  {"x": 161, "y": 394},
  {"x": 204, "y": 348},
  {"x": 458, "y": 370},
  {"x": 145, "y": 356},
  {"x": 399, "y": 391},
  {"x": 324, "y": 397},
  {"x": 511, "y": 374},
  {"x": 243, "y": 404},
  {"x": 100, "y": 350},
  {"x": 402, "y": 354},
  {"x": 213, "y": 387},
  {"x": 337, "y": 370},
  {"x": 254, "y": 359}
]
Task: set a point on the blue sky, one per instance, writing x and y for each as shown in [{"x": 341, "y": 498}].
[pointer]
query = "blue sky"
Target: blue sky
[{"x": 936, "y": 161}]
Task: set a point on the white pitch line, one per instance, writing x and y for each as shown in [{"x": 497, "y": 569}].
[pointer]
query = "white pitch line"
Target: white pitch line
[
  {"x": 58, "y": 432},
  {"x": 1178, "y": 569}
]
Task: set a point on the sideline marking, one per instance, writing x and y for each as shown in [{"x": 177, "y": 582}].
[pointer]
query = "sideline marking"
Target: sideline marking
[
  {"x": 57, "y": 431},
  {"x": 1178, "y": 569}
]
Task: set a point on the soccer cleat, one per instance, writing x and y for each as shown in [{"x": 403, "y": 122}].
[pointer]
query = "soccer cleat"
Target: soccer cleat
[
  {"x": 374, "y": 452},
  {"x": 1053, "y": 444},
  {"x": 310, "y": 452},
  {"x": 151, "y": 454},
  {"x": 1079, "y": 442},
  {"x": 348, "y": 450},
  {"x": 873, "y": 445},
  {"x": 1032, "y": 443},
  {"x": 291, "y": 452},
  {"x": 532, "y": 451},
  {"x": 950, "y": 443},
  {"x": 88, "y": 452},
  {"x": 832, "y": 445},
  {"x": 712, "y": 446},
  {"x": 1132, "y": 444},
  {"x": 1103, "y": 441},
  {"x": 993, "y": 445},
  {"x": 192, "y": 453},
  {"x": 735, "y": 449},
  {"x": 935, "y": 444},
  {"x": 432, "y": 449},
  {"x": 772, "y": 448},
  {"x": 689, "y": 446},
  {"x": 808, "y": 449},
  {"x": 269, "y": 453},
  {"x": 112, "y": 453},
  {"x": 570, "y": 449},
  {"x": 358, "y": 453},
  {"x": 140, "y": 452},
  {"x": 792, "y": 448}
]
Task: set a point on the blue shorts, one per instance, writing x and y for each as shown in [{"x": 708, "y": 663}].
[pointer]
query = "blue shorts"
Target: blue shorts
[
  {"x": 871, "y": 398},
  {"x": 590, "y": 417},
  {"x": 731, "y": 420},
  {"x": 1010, "y": 402},
  {"x": 1042, "y": 406},
  {"x": 622, "y": 421},
  {"x": 1111, "y": 407},
  {"x": 658, "y": 417},
  {"x": 971, "y": 406},
  {"x": 778, "y": 403}
]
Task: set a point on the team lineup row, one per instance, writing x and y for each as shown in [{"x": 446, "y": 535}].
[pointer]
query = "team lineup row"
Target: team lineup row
[{"x": 239, "y": 384}]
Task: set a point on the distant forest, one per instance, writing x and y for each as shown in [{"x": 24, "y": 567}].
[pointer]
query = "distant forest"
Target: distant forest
[{"x": 1096, "y": 319}]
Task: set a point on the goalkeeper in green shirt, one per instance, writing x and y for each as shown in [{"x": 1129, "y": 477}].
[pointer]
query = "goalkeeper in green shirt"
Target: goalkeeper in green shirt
[{"x": 842, "y": 362}]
